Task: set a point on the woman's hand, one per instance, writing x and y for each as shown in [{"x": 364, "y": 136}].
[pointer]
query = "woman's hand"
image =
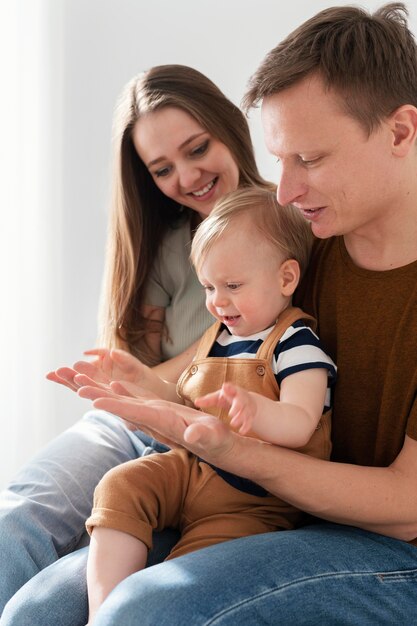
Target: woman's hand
[{"x": 108, "y": 366}]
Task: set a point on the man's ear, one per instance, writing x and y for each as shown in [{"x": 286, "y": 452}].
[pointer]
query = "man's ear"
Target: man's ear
[
  {"x": 289, "y": 276},
  {"x": 403, "y": 123}
]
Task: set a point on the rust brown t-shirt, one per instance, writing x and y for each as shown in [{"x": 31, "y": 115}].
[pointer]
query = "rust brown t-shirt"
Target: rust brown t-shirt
[{"x": 367, "y": 321}]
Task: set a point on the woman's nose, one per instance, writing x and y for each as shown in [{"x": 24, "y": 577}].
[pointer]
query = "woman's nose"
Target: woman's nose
[{"x": 188, "y": 177}]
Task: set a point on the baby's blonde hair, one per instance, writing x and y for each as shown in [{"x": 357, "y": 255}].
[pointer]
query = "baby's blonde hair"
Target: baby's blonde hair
[{"x": 282, "y": 227}]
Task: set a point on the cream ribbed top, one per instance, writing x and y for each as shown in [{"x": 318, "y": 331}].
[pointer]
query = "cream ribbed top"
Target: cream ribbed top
[{"x": 173, "y": 285}]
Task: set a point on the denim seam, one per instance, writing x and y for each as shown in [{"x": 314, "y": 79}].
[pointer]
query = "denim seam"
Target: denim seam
[{"x": 396, "y": 576}]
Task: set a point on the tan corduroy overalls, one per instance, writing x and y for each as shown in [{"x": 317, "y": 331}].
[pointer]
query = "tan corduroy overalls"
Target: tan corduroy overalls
[{"x": 176, "y": 489}]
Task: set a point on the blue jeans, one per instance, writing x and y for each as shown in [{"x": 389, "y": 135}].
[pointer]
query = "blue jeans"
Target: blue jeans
[
  {"x": 43, "y": 511},
  {"x": 321, "y": 575}
]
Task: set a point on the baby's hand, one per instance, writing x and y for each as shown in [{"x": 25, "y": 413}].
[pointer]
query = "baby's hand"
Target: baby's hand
[{"x": 241, "y": 405}]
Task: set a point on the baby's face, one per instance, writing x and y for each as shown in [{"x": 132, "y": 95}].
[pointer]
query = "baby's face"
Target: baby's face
[{"x": 241, "y": 276}]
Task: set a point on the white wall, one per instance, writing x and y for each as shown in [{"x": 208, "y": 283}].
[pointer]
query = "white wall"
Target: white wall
[{"x": 90, "y": 48}]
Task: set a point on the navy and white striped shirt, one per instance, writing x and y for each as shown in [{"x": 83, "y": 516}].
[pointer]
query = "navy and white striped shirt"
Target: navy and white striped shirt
[{"x": 298, "y": 349}]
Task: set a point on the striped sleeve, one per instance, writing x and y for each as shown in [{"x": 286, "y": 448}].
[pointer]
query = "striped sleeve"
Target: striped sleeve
[{"x": 299, "y": 349}]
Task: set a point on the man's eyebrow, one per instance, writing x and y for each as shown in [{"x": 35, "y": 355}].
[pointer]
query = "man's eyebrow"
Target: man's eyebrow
[{"x": 183, "y": 145}]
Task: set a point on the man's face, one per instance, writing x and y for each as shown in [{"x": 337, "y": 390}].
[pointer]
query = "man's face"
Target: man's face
[{"x": 343, "y": 181}]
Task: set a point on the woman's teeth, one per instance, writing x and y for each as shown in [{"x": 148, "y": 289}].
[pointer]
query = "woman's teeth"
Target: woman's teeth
[{"x": 205, "y": 189}]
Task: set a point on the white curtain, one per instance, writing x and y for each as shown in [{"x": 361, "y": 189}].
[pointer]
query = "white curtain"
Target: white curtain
[{"x": 31, "y": 224}]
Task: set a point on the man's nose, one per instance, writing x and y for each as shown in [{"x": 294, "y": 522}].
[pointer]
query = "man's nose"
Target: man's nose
[{"x": 291, "y": 185}]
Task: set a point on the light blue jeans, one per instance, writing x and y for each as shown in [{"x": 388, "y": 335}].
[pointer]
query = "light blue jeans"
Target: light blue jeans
[
  {"x": 43, "y": 511},
  {"x": 322, "y": 575}
]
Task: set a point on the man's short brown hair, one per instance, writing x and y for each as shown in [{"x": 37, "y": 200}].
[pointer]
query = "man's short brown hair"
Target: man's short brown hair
[{"x": 370, "y": 60}]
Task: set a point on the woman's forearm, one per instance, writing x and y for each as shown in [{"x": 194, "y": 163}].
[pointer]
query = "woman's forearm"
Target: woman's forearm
[{"x": 172, "y": 369}]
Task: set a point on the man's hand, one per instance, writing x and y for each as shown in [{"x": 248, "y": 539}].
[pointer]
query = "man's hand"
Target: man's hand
[{"x": 175, "y": 425}]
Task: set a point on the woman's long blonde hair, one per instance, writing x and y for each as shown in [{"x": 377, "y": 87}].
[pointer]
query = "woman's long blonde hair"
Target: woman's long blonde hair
[{"x": 140, "y": 213}]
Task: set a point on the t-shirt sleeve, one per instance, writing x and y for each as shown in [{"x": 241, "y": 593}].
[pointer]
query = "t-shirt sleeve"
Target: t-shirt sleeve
[{"x": 300, "y": 349}]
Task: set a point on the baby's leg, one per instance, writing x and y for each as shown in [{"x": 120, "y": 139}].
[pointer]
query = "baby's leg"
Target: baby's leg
[
  {"x": 113, "y": 556},
  {"x": 130, "y": 502}
]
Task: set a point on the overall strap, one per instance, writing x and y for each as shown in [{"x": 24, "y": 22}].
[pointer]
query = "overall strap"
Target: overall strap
[
  {"x": 207, "y": 341},
  {"x": 286, "y": 318}
]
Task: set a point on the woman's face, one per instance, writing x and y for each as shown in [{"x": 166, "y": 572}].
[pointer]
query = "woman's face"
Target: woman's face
[{"x": 186, "y": 162}]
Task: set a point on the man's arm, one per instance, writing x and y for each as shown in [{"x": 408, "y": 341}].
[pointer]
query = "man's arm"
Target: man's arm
[{"x": 382, "y": 500}]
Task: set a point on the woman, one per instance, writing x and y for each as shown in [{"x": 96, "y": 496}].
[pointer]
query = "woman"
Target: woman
[{"x": 179, "y": 144}]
